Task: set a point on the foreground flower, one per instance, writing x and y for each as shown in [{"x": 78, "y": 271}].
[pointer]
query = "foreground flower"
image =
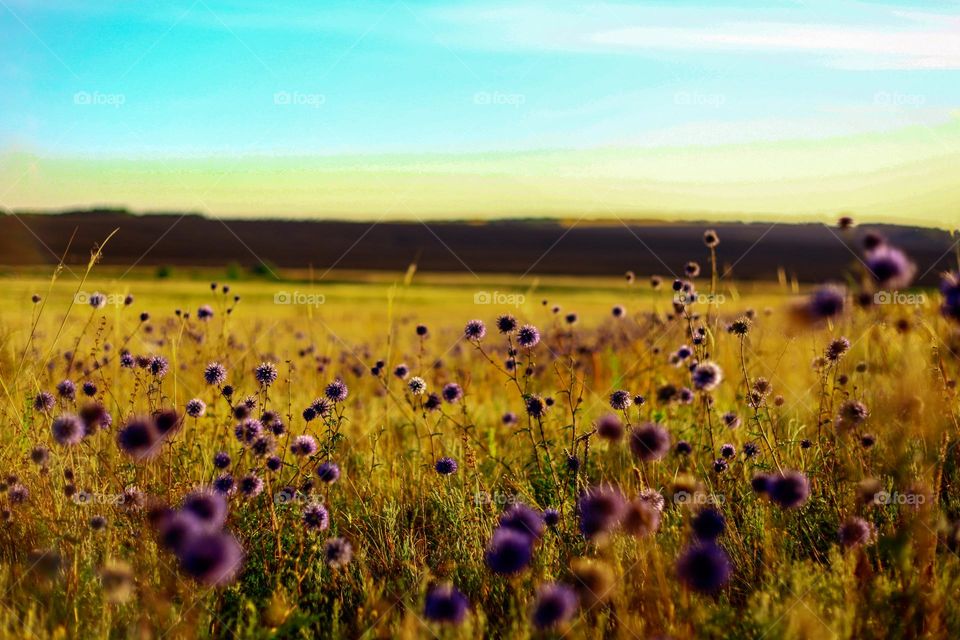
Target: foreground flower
[
  {"x": 445, "y": 604},
  {"x": 522, "y": 518},
  {"x": 475, "y": 330},
  {"x": 601, "y": 509},
  {"x": 337, "y": 552},
  {"x": 528, "y": 336},
  {"x": 212, "y": 559},
  {"x": 67, "y": 429},
  {"x": 790, "y": 490},
  {"x": 446, "y": 466},
  {"x": 649, "y": 442},
  {"x": 704, "y": 567},
  {"x": 555, "y": 604},
  {"x": 707, "y": 376},
  {"x": 316, "y": 517},
  {"x": 265, "y": 373},
  {"x": 509, "y": 551}
]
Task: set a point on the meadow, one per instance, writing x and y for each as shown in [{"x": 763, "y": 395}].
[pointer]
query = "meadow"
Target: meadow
[{"x": 441, "y": 456}]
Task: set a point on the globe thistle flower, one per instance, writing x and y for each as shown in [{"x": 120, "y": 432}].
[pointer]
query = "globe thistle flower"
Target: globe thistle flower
[
  {"x": 618, "y": 311},
  {"x": 221, "y": 460},
  {"x": 263, "y": 445},
  {"x": 731, "y": 420},
  {"x": 708, "y": 525},
  {"x": 432, "y": 403},
  {"x": 691, "y": 269},
  {"x": 751, "y": 450},
  {"x": 273, "y": 463},
  {"x": 867, "y": 440},
  {"x": 213, "y": 559},
  {"x": 535, "y": 406},
  {"x": 707, "y": 376},
  {"x": 17, "y": 493},
  {"x": 656, "y": 282},
  {"x": 248, "y": 430},
  {"x": 683, "y": 448},
  {"x": 890, "y": 267},
  {"x": 852, "y": 413},
  {"x": 328, "y": 472},
  {"x": 336, "y": 391},
  {"x": 167, "y": 422},
  {"x": 684, "y": 396},
  {"x": 224, "y": 484},
  {"x": 950, "y": 290},
  {"x": 265, "y": 373},
  {"x": 506, "y": 324},
  {"x": 790, "y": 490},
  {"x": 208, "y": 507},
  {"x": 710, "y": 238},
  {"x": 40, "y": 455},
  {"x": 422, "y": 330},
  {"x": 337, "y": 552},
  {"x": 67, "y": 429},
  {"x": 740, "y": 326},
  {"x": 837, "y": 349},
  {"x": 601, "y": 509},
  {"x": 728, "y": 450},
  {"x": 175, "y": 528},
  {"x": 620, "y": 400},
  {"x": 98, "y": 523},
  {"x": 158, "y": 367},
  {"x": 97, "y": 300},
  {"x": 762, "y": 483},
  {"x": 67, "y": 390},
  {"x": 215, "y": 374},
  {"x": 250, "y": 485},
  {"x": 205, "y": 312},
  {"x": 555, "y": 605},
  {"x": 196, "y": 408},
  {"x": 551, "y": 517},
  {"x": 825, "y": 303},
  {"x": 321, "y": 407},
  {"x": 528, "y": 336},
  {"x": 304, "y": 445},
  {"x": 610, "y": 427},
  {"x": 522, "y": 518},
  {"x": 445, "y": 604},
  {"x": 44, "y": 401},
  {"x": 446, "y": 466},
  {"x": 315, "y": 517},
  {"x": 509, "y": 418},
  {"x": 704, "y": 567},
  {"x": 640, "y": 518},
  {"x": 417, "y": 386},
  {"x": 95, "y": 417},
  {"x": 452, "y": 392},
  {"x": 475, "y": 330},
  {"x": 127, "y": 360},
  {"x": 508, "y": 551},
  {"x": 89, "y": 388},
  {"x": 720, "y": 465},
  {"x": 649, "y": 442},
  {"x": 855, "y": 532}
]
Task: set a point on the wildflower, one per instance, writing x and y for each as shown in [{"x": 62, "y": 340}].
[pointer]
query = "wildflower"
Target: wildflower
[
  {"x": 221, "y": 460},
  {"x": 208, "y": 507},
  {"x": 158, "y": 366},
  {"x": 17, "y": 493},
  {"x": 762, "y": 483},
  {"x": 224, "y": 484},
  {"x": 536, "y": 407},
  {"x": 304, "y": 445},
  {"x": 649, "y": 442},
  {"x": 740, "y": 326},
  {"x": 336, "y": 391},
  {"x": 506, "y": 324},
  {"x": 417, "y": 386},
  {"x": 708, "y": 524},
  {"x": 315, "y": 517},
  {"x": 67, "y": 429},
  {"x": 950, "y": 290},
  {"x": 98, "y": 523},
  {"x": 890, "y": 267},
  {"x": 422, "y": 330},
  {"x": 97, "y": 300},
  {"x": 691, "y": 269},
  {"x": 44, "y": 401},
  {"x": 522, "y": 518},
  {"x": 67, "y": 390},
  {"x": 401, "y": 371},
  {"x": 601, "y": 509},
  {"x": 445, "y": 604},
  {"x": 707, "y": 376},
  {"x": 555, "y": 604},
  {"x": 167, "y": 422},
  {"x": 251, "y": 485},
  {"x": 855, "y": 532},
  {"x": 683, "y": 448},
  {"x": 446, "y": 466},
  {"x": 790, "y": 490},
  {"x": 720, "y": 465},
  {"x": 452, "y": 392},
  {"x": 337, "y": 552},
  {"x": 640, "y": 518},
  {"x": 265, "y": 373},
  {"x": 248, "y": 430},
  {"x": 95, "y": 417},
  {"x": 710, "y": 238},
  {"x": 328, "y": 472},
  {"x": 40, "y": 455},
  {"x": 212, "y": 559},
  {"x": 551, "y": 517},
  {"x": 528, "y": 336},
  {"x": 731, "y": 420},
  {"x": 215, "y": 374},
  {"x": 89, "y": 388},
  {"x": 704, "y": 567},
  {"x": 475, "y": 330},
  {"x": 196, "y": 408},
  {"x": 620, "y": 400},
  {"x": 509, "y": 551},
  {"x": 509, "y": 418},
  {"x": 610, "y": 427},
  {"x": 593, "y": 580},
  {"x": 728, "y": 450}
]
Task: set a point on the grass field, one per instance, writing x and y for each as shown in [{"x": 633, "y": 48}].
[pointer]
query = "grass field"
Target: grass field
[{"x": 765, "y": 479}]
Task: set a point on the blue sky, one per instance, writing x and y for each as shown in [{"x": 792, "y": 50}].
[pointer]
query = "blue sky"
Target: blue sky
[{"x": 187, "y": 79}]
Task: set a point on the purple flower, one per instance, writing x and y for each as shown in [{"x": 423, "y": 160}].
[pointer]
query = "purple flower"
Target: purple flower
[
  {"x": 601, "y": 509},
  {"x": 446, "y": 466},
  {"x": 139, "y": 439},
  {"x": 401, "y": 371},
  {"x": 551, "y": 517},
  {"x": 528, "y": 336},
  {"x": 337, "y": 552},
  {"x": 67, "y": 429},
  {"x": 826, "y": 302},
  {"x": 610, "y": 427},
  {"x": 649, "y": 442},
  {"x": 89, "y": 388},
  {"x": 336, "y": 391},
  {"x": 248, "y": 430},
  {"x": 555, "y": 604},
  {"x": 708, "y": 524},
  {"x": 315, "y": 517},
  {"x": 215, "y": 374},
  {"x": 620, "y": 400},
  {"x": 196, "y": 408},
  {"x": 790, "y": 490},
  {"x": 618, "y": 311},
  {"x": 761, "y": 483},
  {"x": 728, "y": 450},
  {"x": 452, "y": 392},
  {"x": 265, "y": 373},
  {"x": 328, "y": 472},
  {"x": 506, "y": 324},
  {"x": 704, "y": 567},
  {"x": 208, "y": 507},
  {"x": 508, "y": 551},
  {"x": 522, "y": 518},
  {"x": 251, "y": 485},
  {"x": 127, "y": 360},
  {"x": 509, "y": 418},
  {"x": 158, "y": 366},
  {"x": 205, "y": 312},
  {"x": 890, "y": 267},
  {"x": 445, "y": 604},
  {"x": 950, "y": 290},
  {"x": 535, "y": 405},
  {"x": 44, "y": 401},
  {"x": 475, "y": 330},
  {"x": 303, "y": 445},
  {"x": 66, "y": 389},
  {"x": 855, "y": 532},
  {"x": 731, "y": 420},
  {"x": 707, "y": 376},
  {"x": 97, "y": 300},
  {"x": 212, "y": 559},
  {"x": 221, "y": 460},
  {"x": 95, "y": 417},
  {"x": 17, "y": 493},
  {"x": 167, "y": 422},
  {"x": 224, "y": 484}
]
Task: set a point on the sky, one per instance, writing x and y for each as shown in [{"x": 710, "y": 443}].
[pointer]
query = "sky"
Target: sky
[{"x": 405, "y": 109}]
